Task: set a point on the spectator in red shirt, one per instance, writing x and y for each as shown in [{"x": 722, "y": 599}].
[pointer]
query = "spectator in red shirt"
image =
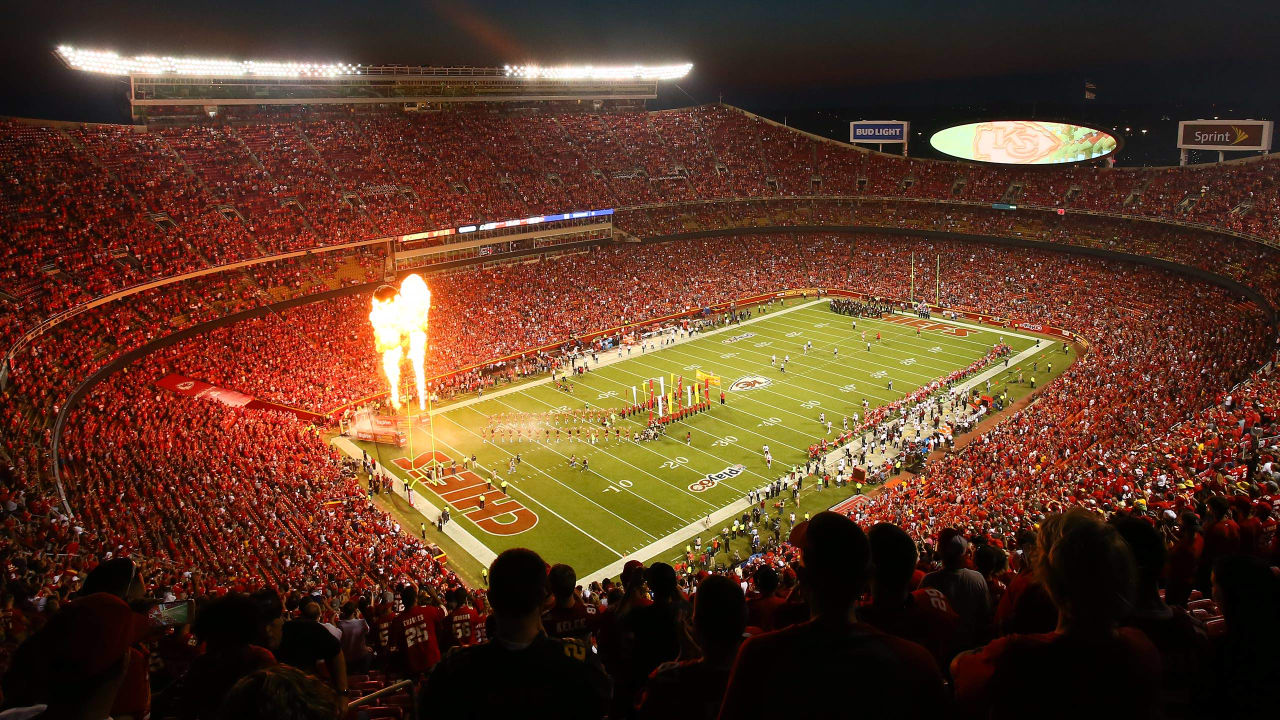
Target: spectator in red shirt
[
  {"x": 1221, "y": 538},
  {"x": 569, "y": 616},
  {"x": 1089, "y": 572},
  {"x": 122, "y": 578},
  {"x": 521, "y": 672},
  {"x": 229, "y": 626},
  {"x": 75, "y": 665},
  {"x": 762, "y": 610},
  {"x": 1184, "y": 558},
  {"x": 923, "y": 616},
  {"x": 694, "y": 688},
  {"x": 463, "y": 620},
  {"x": 615, "y": 643},
  {"x": 415, "y": 633},
  {"x": 1181, "y": 640},
  {"x": 833, "y": 646}
]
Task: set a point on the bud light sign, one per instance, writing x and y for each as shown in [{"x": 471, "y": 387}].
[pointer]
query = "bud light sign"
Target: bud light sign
[{"x": 878, "y": 131}]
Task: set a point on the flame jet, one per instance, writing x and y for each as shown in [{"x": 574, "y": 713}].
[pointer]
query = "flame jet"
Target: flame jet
[{"x": 395, "y": 315}]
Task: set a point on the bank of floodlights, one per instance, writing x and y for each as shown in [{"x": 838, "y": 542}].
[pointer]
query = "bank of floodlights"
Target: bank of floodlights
[
  {"x": 111, "y": 63},
  {"x": 599, "y": 72}
]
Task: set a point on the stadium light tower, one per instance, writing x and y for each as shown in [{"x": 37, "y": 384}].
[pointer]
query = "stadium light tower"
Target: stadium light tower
[{"x": 166, "y": 84}]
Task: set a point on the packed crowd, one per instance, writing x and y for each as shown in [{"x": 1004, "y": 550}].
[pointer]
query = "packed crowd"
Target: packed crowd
[
  {"x": 209, "y": 511},
  {"x": 214, "y": 502},
  {"x": 93, "y": 209}
]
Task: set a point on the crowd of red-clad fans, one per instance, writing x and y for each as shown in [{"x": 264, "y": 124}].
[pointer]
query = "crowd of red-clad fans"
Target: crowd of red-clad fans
[
  {"x": 95, "y": 208},
  {"x": 211, "y": 503},
  {"x": 980, "y": 587}
]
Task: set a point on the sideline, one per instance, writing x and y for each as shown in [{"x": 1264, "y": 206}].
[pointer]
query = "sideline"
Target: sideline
[
  {"x": 731, "y": 510},
  {"x": 484, "y": 555},
  {"x": 610, "y": 357},
  {"x": 419, "y": 502}
]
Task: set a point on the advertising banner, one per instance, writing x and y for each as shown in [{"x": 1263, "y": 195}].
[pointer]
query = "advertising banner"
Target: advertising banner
[
  {"x": 878, "y": 131},
  {"x": 1229, "y": 135}
]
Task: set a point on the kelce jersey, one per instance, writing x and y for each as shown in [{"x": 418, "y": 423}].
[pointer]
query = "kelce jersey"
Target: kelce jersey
[
  {"x": 413, "y": 635},
  {"x": 577, "y": 621}
]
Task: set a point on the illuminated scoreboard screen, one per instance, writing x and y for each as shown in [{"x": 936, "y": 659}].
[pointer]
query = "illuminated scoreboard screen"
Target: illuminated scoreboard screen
[{"x": 1023, "y": 142}]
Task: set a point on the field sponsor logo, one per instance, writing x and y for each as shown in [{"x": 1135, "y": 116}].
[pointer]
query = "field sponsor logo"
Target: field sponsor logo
[
  {"x": 501, "y": 514},
  {"x": 714, "y": 479},
  {"x": 751, "y": 382},
  {"x": 736, "y": 338}
]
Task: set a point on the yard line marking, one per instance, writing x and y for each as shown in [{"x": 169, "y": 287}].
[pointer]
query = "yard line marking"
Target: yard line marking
[
  {"x": 549, "y": 475},
  {"x": 540, "y": 504},
  {"x": 718, "y": 458},
  {"x": 624, "y": 462},
  {"x": 737, "y": 409}
]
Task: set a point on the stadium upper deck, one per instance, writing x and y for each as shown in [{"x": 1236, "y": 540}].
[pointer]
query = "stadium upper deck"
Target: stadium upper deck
[{"x": 89, "y": 210}]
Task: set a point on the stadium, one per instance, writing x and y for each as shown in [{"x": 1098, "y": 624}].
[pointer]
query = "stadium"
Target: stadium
[{"x": 436, "y": 356}]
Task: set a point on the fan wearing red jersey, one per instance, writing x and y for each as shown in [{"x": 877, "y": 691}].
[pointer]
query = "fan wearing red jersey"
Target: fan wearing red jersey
[
  {"x": 762, "y": 610},
  {"x": 569, "y": 617},
  {"x": 833, "y": 646},
  {"x": 415, "y": 633},
  {"x": 383, "y": 615},
  {"x": 923, "y": 616},
  {"x": 521, "y": 672},
  {"x": 463, "y": 620},
  {"x": 1089, "y": 573},
  {"x": 694, "y": 688}
]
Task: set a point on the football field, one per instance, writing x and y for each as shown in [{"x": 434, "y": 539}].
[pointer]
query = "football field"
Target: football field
[{"x": 644, "y": 498}]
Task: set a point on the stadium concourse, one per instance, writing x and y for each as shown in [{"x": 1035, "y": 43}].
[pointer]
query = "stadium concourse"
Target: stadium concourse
[{"x": 1118, "y": 531}]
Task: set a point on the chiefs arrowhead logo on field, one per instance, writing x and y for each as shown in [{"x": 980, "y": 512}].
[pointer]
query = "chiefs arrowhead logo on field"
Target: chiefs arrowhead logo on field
[{"x": 751, "y": 382}]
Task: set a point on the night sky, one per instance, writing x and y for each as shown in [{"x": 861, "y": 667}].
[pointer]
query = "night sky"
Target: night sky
[{"x": 817, "y": 63}]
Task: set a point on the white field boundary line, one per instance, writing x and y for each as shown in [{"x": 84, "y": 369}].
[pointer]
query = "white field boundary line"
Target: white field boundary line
[
  {"x": 418, "y": 502},
  {"x": 735, "y": 508},
  {"x": 829, "y": 460},
  {"x": 482, "y": 554},
  {"x": 541, "y": 471},
  {"x": 610, "y": 357},
  {"x": 892, "y": 331},
  {"x": 717, "y": 458},
  {"x": 648, "y": 552},
  {"x": 631, "y": 490}
]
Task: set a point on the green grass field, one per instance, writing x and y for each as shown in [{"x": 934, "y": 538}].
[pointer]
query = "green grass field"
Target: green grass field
[{"x": 636, "y": 497}]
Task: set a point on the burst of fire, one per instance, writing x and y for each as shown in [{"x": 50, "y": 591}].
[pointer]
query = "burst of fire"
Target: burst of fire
[{"x": 396, "y": 316}]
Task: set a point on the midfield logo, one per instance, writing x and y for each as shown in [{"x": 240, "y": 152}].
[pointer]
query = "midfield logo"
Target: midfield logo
[{"x": 751, "y": 382}]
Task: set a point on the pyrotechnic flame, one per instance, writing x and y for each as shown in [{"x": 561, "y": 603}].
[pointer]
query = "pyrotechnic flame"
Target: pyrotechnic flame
[
  {"x": 415, "y": 304},
  {"x": 395, "y": 315}
]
